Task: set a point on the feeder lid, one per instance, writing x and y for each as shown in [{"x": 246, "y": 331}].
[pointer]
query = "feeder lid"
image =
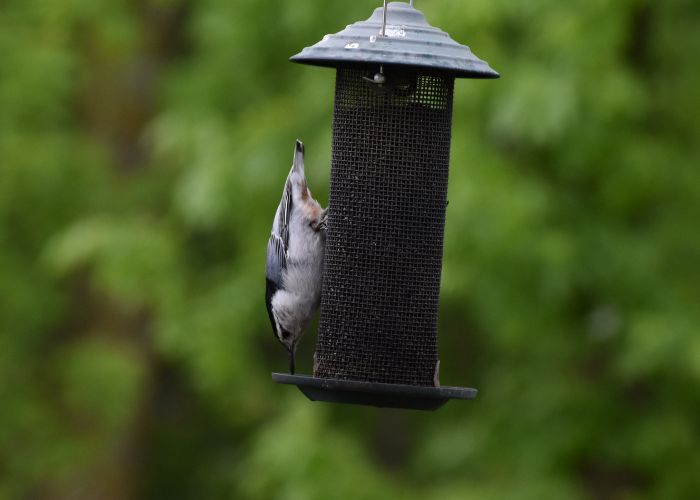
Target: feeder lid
[{"x": 408, "y": 41}]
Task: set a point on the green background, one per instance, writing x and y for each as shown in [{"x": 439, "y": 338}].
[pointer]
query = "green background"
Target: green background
[{"x": 143, "y": 147}]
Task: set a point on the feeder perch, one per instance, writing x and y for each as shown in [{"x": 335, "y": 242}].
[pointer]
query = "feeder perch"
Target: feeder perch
[{"x": 392, "y": 123}]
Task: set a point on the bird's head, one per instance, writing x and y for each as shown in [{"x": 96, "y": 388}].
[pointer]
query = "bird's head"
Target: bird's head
[{"x": 289, "y": 340}]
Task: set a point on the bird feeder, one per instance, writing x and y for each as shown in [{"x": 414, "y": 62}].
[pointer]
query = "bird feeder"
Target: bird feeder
[{"x": 377, "y": 341}]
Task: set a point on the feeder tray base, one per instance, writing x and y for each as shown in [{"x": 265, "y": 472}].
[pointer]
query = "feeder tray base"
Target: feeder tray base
[{"x": 374, "y": 394}]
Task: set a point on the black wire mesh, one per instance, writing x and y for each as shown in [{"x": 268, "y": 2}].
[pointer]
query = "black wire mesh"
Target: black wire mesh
[{"x": 379, "y": 305}]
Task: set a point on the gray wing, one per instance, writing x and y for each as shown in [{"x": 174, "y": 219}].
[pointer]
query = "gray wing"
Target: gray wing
[{"x": 278, "y": 244}]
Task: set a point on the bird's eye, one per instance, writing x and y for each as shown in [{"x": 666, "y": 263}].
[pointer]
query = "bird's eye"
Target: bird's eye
[{"x": 285, "y": 334}]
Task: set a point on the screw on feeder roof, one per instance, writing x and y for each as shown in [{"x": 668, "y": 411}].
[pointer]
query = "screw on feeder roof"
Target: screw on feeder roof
[{"x": 377, "y": 339}]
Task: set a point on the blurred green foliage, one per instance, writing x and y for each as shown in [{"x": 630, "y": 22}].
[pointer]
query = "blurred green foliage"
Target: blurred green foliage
[{"x": 143, "y": 145}]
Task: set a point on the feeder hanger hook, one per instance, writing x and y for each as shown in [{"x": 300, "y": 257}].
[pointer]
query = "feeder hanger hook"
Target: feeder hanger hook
[
  {"x": 386, "y": 5},
  {"x": 380, "y": 78}
]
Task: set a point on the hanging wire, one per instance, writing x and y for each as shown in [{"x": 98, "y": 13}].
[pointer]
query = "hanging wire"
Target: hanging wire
[{"x": 384, "y": 19}]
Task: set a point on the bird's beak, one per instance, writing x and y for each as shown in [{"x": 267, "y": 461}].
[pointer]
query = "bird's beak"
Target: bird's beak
[{"x": 292, "y": 354}]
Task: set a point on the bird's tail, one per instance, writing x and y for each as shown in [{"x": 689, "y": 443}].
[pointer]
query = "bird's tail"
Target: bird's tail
[
  {"x": 298, "y": 163},
  {"x": 296, "y": 181}
]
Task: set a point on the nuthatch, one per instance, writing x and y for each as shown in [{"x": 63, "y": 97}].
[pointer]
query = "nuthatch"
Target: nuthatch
[{"x": 295, "y": 259}]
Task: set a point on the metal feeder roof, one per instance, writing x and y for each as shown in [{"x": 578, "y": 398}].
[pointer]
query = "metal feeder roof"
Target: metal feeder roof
[{"x": 408, "y": 40}]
